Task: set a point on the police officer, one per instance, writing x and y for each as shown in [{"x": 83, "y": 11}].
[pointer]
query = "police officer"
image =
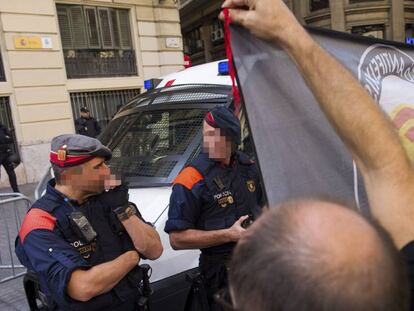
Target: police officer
[
  {"x": 6, "y": 156},
  {"x": 84, "y": 243},
  {"x": 87, "y": 125},
  {"x": 212, "y": 202}
]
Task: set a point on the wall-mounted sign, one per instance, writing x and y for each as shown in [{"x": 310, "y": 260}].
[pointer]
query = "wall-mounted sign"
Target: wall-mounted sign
[
  {"x": 172, "y": 42},
  {"x": 33, "y": 43},
  {"x": 47, "y": 43}
]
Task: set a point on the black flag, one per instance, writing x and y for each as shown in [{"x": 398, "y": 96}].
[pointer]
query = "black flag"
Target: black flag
[{"x": 298, "y": 152}]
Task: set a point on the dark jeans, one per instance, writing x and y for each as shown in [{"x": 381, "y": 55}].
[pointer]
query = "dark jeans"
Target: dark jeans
[{"x": 8, "y": 166}]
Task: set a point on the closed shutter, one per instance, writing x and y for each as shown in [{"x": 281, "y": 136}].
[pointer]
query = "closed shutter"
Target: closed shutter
[
  {"x": 124, "y": 28},
  {"x": 78, "y": 27},
  {"x": 115, "y": 28},
  {"x": 105, "y": 23},
  {"x": 92, "y": 27},
  {"x": 64, "y": 27}
]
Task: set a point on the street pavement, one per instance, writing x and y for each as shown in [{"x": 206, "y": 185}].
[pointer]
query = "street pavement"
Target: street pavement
[{"x": 12, "y": 297}]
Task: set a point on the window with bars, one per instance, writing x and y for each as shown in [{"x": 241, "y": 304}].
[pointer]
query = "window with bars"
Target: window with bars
[
  {"x": 193, "y": 42},
  {"x": 7, "y": 121},
  {"x": 375, "y": 31},
  {"x": 96, "y": 41},
  {"x": 318, "y": 5},
  {"x": 103, "y": 105},
  {"x": 217, "y": 32}
]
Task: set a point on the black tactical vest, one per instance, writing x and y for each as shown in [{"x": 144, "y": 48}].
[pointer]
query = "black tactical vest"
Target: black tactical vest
[
  {"x": 229, "y": 193},
  {"x": 112, "y": 240}
]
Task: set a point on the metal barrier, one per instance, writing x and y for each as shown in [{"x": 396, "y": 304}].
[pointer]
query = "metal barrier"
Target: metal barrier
[
  {"x": 41, "y": 186},
  {"x": 13, "y": 208}
]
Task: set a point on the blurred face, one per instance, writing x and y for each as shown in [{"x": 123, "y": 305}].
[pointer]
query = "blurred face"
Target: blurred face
[
  {"x": 85, "y": 114},
  {"x": 91, "y": 177},
  {"x": 215, "y": 143}
]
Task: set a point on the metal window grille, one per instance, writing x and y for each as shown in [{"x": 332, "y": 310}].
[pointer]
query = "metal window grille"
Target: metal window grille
[
  {"x": 2, "y": 74},
  {"x": 100, "y": 63},
  {"x": 7, "y": 121},
  {"x": 156, "y": 142},
  {"x": 96, "y": 41},
  {"x": 103, "y": 105}
]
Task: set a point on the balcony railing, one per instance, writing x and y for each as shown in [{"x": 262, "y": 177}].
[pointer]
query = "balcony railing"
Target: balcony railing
[{"x": 100, "y": 63}]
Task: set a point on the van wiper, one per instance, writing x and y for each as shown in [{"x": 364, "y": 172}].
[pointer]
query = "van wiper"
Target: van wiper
[{"x": 157, "y": 158}]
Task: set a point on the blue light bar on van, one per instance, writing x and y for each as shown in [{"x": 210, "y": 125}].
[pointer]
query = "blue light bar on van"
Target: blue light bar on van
[
  {"x": 409, "y": 40},
  {"x": 223, "y": 68},
  {"x": 148, "y": 85},
  {"x": 151, "y": 83}
]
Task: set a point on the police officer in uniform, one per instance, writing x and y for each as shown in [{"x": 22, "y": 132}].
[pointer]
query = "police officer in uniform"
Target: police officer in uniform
[
  {"x": 87, "y": 125},
  {"x": 212, "y": 202},
  {"x": 6, "y": 156},
  {"x": 85, "y": 243}
]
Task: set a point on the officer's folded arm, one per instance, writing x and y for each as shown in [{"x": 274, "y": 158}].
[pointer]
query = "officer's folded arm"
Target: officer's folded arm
[
  {"x": 145, "y": 238},
  {"x": 192, "y": 238},
  {"x": 83, "y": 285}
]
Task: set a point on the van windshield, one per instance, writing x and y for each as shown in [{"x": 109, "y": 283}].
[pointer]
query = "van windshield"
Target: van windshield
[{"x": 152, "y": 146}]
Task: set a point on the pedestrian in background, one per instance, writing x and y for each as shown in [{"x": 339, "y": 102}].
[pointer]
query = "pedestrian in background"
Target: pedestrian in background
[
  {"x": 6, "y": 154},
  {"x": 86, "y": 124}
]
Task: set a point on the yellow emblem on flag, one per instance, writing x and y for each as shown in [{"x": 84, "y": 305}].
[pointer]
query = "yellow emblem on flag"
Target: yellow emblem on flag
[{"x": 403, "y": 119}]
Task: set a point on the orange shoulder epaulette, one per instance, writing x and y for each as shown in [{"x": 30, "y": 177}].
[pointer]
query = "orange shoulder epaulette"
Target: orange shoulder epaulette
[
  {"x": 188, "y": 177},
  {"x": 36, "y": 219}
]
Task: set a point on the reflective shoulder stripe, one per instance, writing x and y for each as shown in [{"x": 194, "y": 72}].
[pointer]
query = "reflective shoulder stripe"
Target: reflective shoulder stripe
[
  {"x": 188, "y": 177},
  {"x": 36, "y": 219}
]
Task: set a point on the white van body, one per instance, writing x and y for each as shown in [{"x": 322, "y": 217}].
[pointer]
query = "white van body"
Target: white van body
[{"x": 172, "y": 262}]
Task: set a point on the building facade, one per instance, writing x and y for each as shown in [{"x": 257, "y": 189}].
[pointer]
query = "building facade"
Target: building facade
[
  {"x": 57, "y": 56},
  {"x": 386, "y": 19}
]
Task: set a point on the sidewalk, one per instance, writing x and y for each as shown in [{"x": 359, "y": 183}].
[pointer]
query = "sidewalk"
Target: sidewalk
[{"x": 12, "y": 296}]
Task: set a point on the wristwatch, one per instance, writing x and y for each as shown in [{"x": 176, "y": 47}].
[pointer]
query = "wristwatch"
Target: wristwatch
[{"x": 125, "y": 212}]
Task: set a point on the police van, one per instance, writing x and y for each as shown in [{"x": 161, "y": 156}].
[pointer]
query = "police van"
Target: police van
[{"x": 153, "y": 137}]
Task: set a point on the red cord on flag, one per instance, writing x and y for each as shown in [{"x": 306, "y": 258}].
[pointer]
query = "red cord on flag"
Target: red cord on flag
[{"x": 229, "y": 53}]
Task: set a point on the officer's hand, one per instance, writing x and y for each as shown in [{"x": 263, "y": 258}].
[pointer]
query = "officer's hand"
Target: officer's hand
[
  {"x": 116, "y": 197},
  {"x": 236, "y": 231}
]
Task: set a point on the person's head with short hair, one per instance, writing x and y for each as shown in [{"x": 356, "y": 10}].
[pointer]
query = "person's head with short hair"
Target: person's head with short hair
[
  {"x": 85, "y": 113},
  {"x": 79, "y": 161},
  {"x": 317, "y": 255},
  {"x": 221, "y": 133}
]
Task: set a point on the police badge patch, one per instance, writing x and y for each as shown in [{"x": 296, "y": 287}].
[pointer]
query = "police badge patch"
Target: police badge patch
[
  {"x": 224, "y": 198},
  {"x": 251, "y": 186}
]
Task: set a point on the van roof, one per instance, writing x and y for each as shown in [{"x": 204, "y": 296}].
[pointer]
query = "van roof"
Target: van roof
[{"x": 201, "y": 74}]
